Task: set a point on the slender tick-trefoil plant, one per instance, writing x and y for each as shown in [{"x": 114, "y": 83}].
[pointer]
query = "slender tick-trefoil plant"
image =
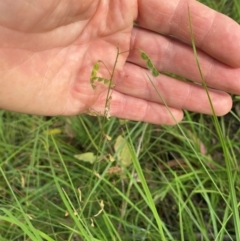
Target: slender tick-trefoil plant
[{"x": 107, "y": 81}]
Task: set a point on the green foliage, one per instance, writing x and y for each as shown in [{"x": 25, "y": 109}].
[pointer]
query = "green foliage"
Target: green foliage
[
  {"x": 47, "y": 193},
  {"x": 179, "y": 183},
  {"x": 122, "y": 150},
  {"x": 149, "y": 64},
  {"x": 95, "y": 78},
  {"x": 86, "y": 157}
]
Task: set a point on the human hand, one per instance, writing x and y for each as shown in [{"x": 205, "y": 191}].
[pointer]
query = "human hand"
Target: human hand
[{"x": 48, "y": 49}]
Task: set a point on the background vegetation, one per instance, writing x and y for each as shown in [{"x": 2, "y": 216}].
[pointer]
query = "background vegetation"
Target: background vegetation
[{"x": 85, "y": 178}]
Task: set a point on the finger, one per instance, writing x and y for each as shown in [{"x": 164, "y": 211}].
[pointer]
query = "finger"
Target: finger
[
  {"x": 177, "y": 94},
  {"x": 214, "y": 33},
  {"x": 170, "y": 55},
  {"x": 131, "y": 108}
]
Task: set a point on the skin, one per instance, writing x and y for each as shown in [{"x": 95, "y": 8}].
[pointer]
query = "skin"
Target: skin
[{"x": 48, "y": 49}]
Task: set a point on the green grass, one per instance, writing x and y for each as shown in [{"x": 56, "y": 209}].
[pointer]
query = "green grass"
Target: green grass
[{"x": 183, "y": 183}]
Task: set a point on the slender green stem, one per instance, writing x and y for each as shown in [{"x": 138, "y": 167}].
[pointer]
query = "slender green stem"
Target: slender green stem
[{"x": 222, "y": 139}]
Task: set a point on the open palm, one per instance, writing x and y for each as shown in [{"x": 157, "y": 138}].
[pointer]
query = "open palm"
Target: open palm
[{"x": 48, "y": 49}]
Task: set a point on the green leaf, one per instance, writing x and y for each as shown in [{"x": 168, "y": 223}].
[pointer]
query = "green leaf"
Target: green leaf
[
  {"x": 96, "y": 66},
  {"x": 93, "y": 86},
  {"x": 54, "y": 131},
  {"x": 144, "y": 55},
  {"x": 93, "y": 79},
  {"x": 106, "y": 81},
  {"x": 150, "y": 64},
  {"x": 86, "y": 157},
  {"x": 93, "y": 74},
  {"x": 155, "y": 72},
  {"x": 123, "y": 152},
  {"x": 100, "y": 79}
]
